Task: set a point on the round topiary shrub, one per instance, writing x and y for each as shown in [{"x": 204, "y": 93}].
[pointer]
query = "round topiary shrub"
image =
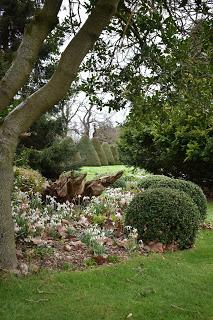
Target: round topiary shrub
[
  {"x": 164, "y": 215},
  {"x": 193, "y": 190},
  {"x": 149, "y": 181}
]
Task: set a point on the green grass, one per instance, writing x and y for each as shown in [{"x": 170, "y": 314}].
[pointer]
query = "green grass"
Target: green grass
[
  {"x": 174, "y": 286},
  {"x": 210, "y": 211},
  {"x": 93, "y": 172}
]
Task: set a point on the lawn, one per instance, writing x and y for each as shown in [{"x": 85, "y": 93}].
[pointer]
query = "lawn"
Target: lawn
[
  {"x": 162, "y": 287},
  {"x": 93, "y": 172},
  {"x": 210, "y": 211}
]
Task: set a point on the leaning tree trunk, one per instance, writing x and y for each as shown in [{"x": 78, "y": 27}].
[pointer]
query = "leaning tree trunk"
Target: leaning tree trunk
[
  {"x": 8, "y": 259},
  {"x": 24, "y": 115}
]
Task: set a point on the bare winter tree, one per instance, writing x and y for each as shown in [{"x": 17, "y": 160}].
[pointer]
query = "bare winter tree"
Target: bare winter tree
[{"x": 23, "y": 116}]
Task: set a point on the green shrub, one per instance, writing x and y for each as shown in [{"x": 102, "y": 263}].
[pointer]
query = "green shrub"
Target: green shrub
[
  {"x": 193, "y": 190},
  {"x": 114, "y": 150},
  {"x": 98, "y": 147},
  {"x": 108, "y": 153},
  {"x": 164, "y": 215},
  {"x": 28, "y": 179},
  {"x": 88, "y": 153},
  {"x": 148, "y": 181},
  {"x": 59, "y": 157},
  {"x": 120, "y": 183}
]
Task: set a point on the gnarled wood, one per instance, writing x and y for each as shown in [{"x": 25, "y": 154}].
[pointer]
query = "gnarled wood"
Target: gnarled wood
[{"x": 69, "y": 186}]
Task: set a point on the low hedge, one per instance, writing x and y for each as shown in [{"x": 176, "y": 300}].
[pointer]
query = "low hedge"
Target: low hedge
[
  {"x": 164, "y": 215},
  {"x": 148, "y": 181},
  {"x": 193, "y": 190}
]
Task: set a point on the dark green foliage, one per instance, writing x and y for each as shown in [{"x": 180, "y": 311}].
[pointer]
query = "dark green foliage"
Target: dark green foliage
[
  {"x": 43, "y": 133},
  {"x": 114, "y": 150},
  {"x": 59, "y": 157},
  {"x": 193, "y": 190},
  {"x": 108, "y": 153},
  {"x": 170, "y": 132},
  {"x": 151, "y": 180},
  {"x": 101, "y": 154},
  {"x": 164, "y": 215},
  {"x": 120, "y": 183},
  {"x": 88, "y": 153}
]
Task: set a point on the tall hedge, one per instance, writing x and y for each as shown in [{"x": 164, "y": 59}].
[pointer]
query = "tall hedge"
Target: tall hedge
[
  {"x": 114, "y": 150},
  {"x": 88, "y": 153},
  {"x": 108, "y": 153},
  {"x": 98, "y": 147}
]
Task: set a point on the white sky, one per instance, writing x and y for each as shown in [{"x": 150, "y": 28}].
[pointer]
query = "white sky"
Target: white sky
[{"x": 115, "y": 116}]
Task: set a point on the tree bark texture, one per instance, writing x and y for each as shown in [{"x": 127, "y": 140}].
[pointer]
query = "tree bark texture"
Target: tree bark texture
[
  {"x": 23, "y": 116},
  {"x": 27, "y": 54},
  {"x": 8, "y": 259}
]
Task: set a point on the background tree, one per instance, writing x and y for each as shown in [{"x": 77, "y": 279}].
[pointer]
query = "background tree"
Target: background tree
[
  {"x": 105, "y": 131},
  {"x": 28, "y": 111},
  {"x": 171, "y": 131},
  {"x": 144, "y": 24},
  {"x": 60, "y": 156}
]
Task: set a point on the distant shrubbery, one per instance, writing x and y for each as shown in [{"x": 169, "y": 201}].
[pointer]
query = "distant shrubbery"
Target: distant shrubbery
[{"x": 101, "y": 154}]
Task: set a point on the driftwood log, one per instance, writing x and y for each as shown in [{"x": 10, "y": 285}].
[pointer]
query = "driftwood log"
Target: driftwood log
[{"x": 69, "y": 186}]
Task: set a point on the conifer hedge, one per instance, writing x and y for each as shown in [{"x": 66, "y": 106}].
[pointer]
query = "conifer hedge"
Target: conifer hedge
[
  {"x": 98, "y": 147},
  {"x": 88, "y": 153},
  {"x": 108, "y": 153}
]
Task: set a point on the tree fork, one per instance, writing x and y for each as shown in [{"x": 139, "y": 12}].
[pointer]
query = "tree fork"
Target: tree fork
[{"x": 23, "y": 116}]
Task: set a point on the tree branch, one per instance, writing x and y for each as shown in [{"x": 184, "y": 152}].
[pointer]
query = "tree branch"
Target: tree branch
[
  {"x": 35, "y": 34},
  {"x": 22, "y": 117}
]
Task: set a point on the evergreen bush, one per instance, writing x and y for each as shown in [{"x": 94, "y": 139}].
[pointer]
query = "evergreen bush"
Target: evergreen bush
[
  {"x": 59, "y": 157},
  {"x": 88, "y": 153},
  {"x": 114, "y": 150},
  {"x": 151, "y": 180},
  {"x": 108, "y": 153},
  {"x": 193, "y": 190},
  {"x": 98, "y": 147},
  {"x": 164, "y": 215}
]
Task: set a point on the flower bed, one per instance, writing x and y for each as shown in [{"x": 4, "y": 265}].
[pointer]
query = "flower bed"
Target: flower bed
[{"x": 72, "y": 235}]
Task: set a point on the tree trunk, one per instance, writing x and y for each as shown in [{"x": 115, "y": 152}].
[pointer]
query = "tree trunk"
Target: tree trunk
[{"x": 8, "y": 260}]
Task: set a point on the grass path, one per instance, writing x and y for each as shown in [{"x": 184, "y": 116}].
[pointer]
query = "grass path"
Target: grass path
[{"x": 176, "y": 286}]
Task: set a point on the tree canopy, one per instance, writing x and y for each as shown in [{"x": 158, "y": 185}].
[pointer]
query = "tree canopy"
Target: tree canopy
[{"x": 171, "y": 131}]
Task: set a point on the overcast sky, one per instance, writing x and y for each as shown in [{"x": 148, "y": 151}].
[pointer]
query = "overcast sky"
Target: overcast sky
[{"x": 116, "y": 117}]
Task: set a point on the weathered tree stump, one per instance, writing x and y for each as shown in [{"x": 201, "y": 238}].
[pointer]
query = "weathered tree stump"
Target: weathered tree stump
[{"x": 69, "y": 186}]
